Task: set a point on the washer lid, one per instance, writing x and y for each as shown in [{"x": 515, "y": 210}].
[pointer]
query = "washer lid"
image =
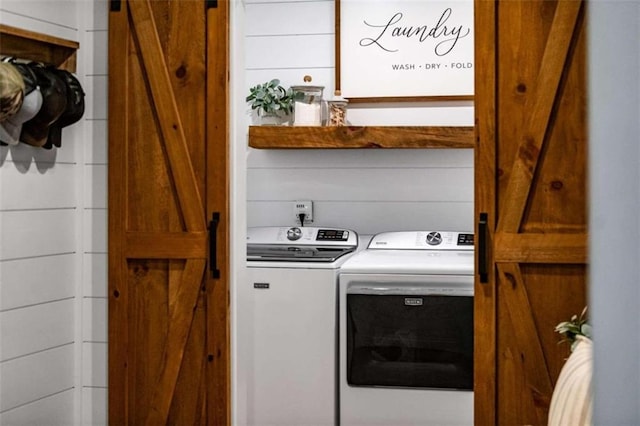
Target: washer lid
[
  {"x": 299, "y": 244},
  {"x": 422, "y": 240}
]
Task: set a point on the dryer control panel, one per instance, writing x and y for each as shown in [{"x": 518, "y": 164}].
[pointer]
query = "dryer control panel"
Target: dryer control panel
[{"x": 423, "y": 240}]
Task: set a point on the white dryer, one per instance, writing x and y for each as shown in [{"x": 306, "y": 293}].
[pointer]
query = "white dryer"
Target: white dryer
[
  {"x": 292, "y": 323},
  {"x": 406, "y": 331}
]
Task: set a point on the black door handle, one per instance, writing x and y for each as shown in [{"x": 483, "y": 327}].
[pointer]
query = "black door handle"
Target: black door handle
[
  {"x": 213, "y": 244},
  {"x": 482, "y": 247}
]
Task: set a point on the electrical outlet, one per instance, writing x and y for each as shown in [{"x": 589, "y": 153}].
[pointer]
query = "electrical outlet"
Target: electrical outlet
[{"x": 303, "y": 207}]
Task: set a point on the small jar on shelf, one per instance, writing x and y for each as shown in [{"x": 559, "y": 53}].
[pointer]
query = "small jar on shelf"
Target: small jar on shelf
[
  {"x": 337, "y": 110},
  {"x": 308, "y": 107}
]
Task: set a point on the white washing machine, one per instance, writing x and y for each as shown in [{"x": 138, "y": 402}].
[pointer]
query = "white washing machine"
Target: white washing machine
[
  {"x": 292, "y": 323},
  {"x": 406, "y": 331}
]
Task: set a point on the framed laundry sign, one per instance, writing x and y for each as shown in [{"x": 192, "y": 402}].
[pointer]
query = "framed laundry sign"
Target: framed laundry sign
[{"x": 404, "y": 50}]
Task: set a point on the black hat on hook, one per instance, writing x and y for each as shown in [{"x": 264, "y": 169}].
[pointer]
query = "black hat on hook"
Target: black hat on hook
[
  {"x": 54, "y": 101},
  {"x": 73, "y": 110}
]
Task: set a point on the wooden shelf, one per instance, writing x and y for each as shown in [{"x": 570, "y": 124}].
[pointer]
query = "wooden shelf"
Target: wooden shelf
[
  {"x": 294, "y": 137},
  {"x": 32, "y": 46}
]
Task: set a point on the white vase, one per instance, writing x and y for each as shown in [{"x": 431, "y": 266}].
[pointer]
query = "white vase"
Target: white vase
[
  {"x": 270, "y": 119},
  {"x": 572, "y": 398}
]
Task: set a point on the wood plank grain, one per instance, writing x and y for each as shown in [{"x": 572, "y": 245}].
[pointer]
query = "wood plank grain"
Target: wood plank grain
[
  {"x": 168, "y": 116},
  {"x": 538, "y": 144},
  {"x": 218, "y": 370},
  {"x": 183, "y": 298},
  {"x": 296, "y": 137},
  {"x": 34, "y": 46},
  {"x": 166, "y": 245},
  {"x": 118, "y": 292},
  {"x": 540, "y": 105},
  {"x": 538, "y": 381},
  {"x": 485, "y": 300},
  {"x": 540, "y": 248}
]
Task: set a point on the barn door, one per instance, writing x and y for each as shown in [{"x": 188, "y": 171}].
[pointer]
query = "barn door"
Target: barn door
[
  {"x": 168, "y": 328},
  {"x": 530, "y": 201}
]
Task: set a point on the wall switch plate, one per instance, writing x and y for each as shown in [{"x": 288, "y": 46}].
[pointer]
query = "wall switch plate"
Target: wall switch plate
[{"x": 303, "y": 207}]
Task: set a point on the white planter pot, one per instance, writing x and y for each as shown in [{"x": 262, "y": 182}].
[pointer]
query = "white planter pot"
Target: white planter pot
[{"x": 572, "y": 398}]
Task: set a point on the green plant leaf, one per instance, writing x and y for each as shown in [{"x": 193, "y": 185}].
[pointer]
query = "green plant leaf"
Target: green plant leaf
[
  {"x": 577, "y": 326},
  {"x": 270, "y": 97}
]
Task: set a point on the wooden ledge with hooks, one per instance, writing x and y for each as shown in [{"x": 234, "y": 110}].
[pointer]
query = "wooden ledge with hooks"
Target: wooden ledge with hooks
[{"x": 33, "y": 46}]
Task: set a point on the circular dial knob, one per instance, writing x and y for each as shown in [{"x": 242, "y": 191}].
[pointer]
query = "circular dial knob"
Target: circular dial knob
[
  {"x": 434, "y": 238},
  {"x": 294, "y": 234}
]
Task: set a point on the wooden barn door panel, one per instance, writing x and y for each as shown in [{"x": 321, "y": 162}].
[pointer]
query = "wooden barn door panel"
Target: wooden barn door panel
[
  {"x": 531, "y": 128},
  {"x": 160, "y": 286}
]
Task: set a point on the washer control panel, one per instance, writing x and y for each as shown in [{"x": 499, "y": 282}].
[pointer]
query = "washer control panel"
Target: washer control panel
[
  {"x": 299, "y": 244},
  {"x": 465, "y": 239},
  {"x": 332, "y": 235},
  {"x": 434, "y": 238},
  {"x": 294, "y": 234},
  {"x": 299, "y": 235}
]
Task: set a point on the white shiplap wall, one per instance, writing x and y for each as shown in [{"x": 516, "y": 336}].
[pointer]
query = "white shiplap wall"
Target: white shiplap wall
[
  {"x": 93, "y": 327},
  {"x": 53, "y": 243},
  {"x": 366, "y": 190}
]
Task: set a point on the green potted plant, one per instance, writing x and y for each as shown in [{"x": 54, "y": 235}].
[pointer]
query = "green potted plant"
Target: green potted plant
[
  {"x": 271, "y": 101},
  {"x": 572, "y": 329}
]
